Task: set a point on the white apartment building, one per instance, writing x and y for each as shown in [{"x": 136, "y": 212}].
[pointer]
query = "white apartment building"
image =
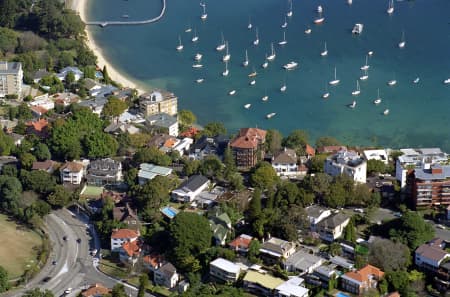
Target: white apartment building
[
  {"x": 224, "y": 270},
  {"x": 11, "y": 76},
  {"x": 349, "y": 163},
  {"x": 120, "y": 236}
]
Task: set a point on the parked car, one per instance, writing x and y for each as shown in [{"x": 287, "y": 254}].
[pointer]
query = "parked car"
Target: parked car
[
  {"x": 79, "y": 240},
  {"x": 68, "y": 290},
  {"x": 440, "y": 226}
]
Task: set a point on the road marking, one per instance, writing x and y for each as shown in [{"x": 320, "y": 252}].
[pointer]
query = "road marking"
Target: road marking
[{"x": 63, "y": 270}]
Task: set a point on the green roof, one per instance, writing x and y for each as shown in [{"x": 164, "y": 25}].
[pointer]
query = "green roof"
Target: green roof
[{"x": 264, "y": 280}]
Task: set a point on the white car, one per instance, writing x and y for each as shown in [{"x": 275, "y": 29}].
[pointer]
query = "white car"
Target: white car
[
  {"x": 440, "y": 226},
  {"x": 68, "y": 290}
]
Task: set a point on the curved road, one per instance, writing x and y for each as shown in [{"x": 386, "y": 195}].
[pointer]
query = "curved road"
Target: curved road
[{"x": 74, "y": 266}]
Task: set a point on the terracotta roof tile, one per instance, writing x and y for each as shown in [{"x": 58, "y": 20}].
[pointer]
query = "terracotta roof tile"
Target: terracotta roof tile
[
  {"x": 124, "y": 233},
  {"x": 243, "y": 241},
  {"x": 39, "y": 109},
  {"x": 95, "y": 290},
  {"x": 362, "y": 275},
  {"x": 154, "y": 260},
  {"x": 310, "y": 150},
  {"x": 131, "y": 248},
  {"x": 45, "y": 165},
  {"x": 249, "y": 138},
  {"x": 72, "y": 166},
  {"x": 39, "y": 125}
]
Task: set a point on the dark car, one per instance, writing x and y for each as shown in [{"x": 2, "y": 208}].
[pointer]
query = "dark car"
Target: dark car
[
  {"x": 46, "y": 279},
  {"x": 64, "y": 237},
  {"x": 79, "y": 240},
  {"x": 54, "y": 262}
]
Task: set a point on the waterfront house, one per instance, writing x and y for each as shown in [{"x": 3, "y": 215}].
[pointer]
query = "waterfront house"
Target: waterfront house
[
  {"x": 150, "y": 171},
  {"x": 275, "y": 249},
  {"x": 315, "y": 214},
  {"x": 429, "y": 256},
  {"x": 359, "y": 281},
  {"x": 66, "y": 70},
  {"x": 166, "y": 276},
  {"x": 120, "y": 236},
  {"x": 302, "y": 262},
  {"x": 332, "y": 227},
  {"x": 349, "y": 163},
  {"x": 190, "y": 188},
  {"x": 72, "y": 173},
  {"x": 104, "y": 172},
  {"x": 379, "y": 155},
  {"x": 285, "y": 162},
  {"x": 241, "y": 244},
  {"x": 207, "y": 146},
  {"x": 247, "y": 147},
  {"x": 224, "y": 270},
  {"x": 164, "y": 120},
  {"x": 158, "y": 102},
  {"x": 96, "y": 290}
]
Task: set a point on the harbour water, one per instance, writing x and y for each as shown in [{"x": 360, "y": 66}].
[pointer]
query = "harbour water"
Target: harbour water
[{"x": 419, "y": 113}]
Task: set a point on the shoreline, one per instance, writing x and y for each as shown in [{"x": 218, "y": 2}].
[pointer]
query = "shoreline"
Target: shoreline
[{"x": 80, "y": 6}]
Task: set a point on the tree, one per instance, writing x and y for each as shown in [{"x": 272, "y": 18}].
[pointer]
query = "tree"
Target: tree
[
  {"x": 143, "y": 283},
  {"x": 211, "y": 167},
  {"x": 253, "y": 250},
  {"x": 350, "y": 231},
  {"x": 6, "y": 144},
  {"x": 190, "y": 235},
  {"x": 70, "y": 78},
  {"x": 214, "y": 128},
  {"x": 4, "y": 284},
  {"x": 186, "y": 117},
  {"x": 106, "y": 77},
  {"x": 39, "y": 181},
  {"x": 10, "y": 192},
  {"x": 41, "y": 152},
  {"x": 296, "y": 140},
  {"x": 114, "y": 107},
  {"x": 60, "y": 197},
  {"x": 317, "y": 163},
  {"x": 38, "y": 293},
  {"x": 336, "y": 196},
  {"x": 236, "y": 181},
  {"x": 412, "y": 230},
  {"x": 398, "y": 280},
  {"x": 273, "y": 140},
  {"x": 264, "y": 176},
  {"x": 10, "y": 170},
  {"x": 8, "y": 41},
  {"x": 153, "y": 195},
  {"x": 375, "y": 166},
  {"x": 254, "y": 207},
  {"x": 389, "y": 255},
  {"x": 151, "y": 155},
  {"x": 118, "y": 291},
  {"x": 99, "y": 145},
  {"x": 326, "y": 141},
  {"x": 8, "y": 9},
  {"x": 27, "y": 160}
]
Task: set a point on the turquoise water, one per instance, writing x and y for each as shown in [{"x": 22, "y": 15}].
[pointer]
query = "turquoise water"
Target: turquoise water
[{"x": 419, "y": 114}]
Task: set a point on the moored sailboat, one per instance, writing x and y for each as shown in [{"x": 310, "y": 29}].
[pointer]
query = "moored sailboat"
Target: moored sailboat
[
  {"x": 180, "y": 45},
  {"x": 358, "y": 90},
  {"x": 335, "y": 81}
]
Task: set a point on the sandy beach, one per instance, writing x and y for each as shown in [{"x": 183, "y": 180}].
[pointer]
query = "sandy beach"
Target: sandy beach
[{"x": 81, "y": 6}]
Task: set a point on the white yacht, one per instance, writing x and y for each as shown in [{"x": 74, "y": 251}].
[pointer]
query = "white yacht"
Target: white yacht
[
  {"x": 197, "y": 65},
  {"x": 378, "y": 99},
  {"x": 358, "y": 28},
  {"x": 447, "y": 81},
  {"x": 402, "y": 42},
  {"x": 290, "y": 11},
  {"x": 195, "y": 37},
  {"x": 249, "y": 26},
  {"x": 291, "y": 65},
  {"x": 188, "y": 29},
  {"x": 416, "y": 80},
  {"x": 284, "y": 41},
  {"x": 285, "y": 24},
  {"x": 349, "y": 2},
  {"x": 272, "y": 55},
  {"x": 370, "y": 53},
  {"x": 232, "y": 92},
  {"x": 265, "y": 64},
  {"x": 256, "y": 41},
  {"x": 392, "y": 82},
  {"x": 247, "y": 106},
  {"x": 227, "y": 56},
  {"x": 204, "y": 15},
  {"x": 386, "y": 112},
  {"x": 308, "y": 31},
  {"x": 353, "y": 105},
  {"x": 270, "y": 115},
  {"x": 198, "y": 57},
  {"x": 199, "y": 80},
  {"x": 252, "y": 82},
  {"x": 226, "y": 71},
  {"x": 325, "y": 51},
  {"x": 222, "y": 44},
  {"x": 245, "y": 63},
  {"x": 253, "y": 73},
  {"x": 319, "y": 20},
  {"x": 283, "y": 88},
  {"x": 180, "y": 45},
  {"x": 365, "y": 76},
  {"x": 366, "y": 66},
  {"x": 265, "y": 98},
  {"x": 335, "y": 81},
  {"x": 358, "y": 90},
  {"x": 390, "y": 9}
]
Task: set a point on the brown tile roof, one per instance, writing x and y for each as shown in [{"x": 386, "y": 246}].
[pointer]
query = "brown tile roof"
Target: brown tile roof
[
  {"x": 249, "y": 138},
  {"x": 432, "y": 251},
  {"x": 39, "y": 109},
  {"x": 39, "y": 125},
  {"x": 191, "y": 132},
  {"x": 95, "y": 290},
  {"x": 363, "y": 274},
  {"x": 243, "y": 242},
  {"x": 124, "y": 233},
  {"x": 131, "y": 248},
  {"x": 285, "y": 156},
  {"x": 155, "y": 260},
  {"x": 310, "y": 151},
  {"x": 72, "y": 166},
  {"x": 170, "y": 142},
  {"x": 45, "y": 165}
]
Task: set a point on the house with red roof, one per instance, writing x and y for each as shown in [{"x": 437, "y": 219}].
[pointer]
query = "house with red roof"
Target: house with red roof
[
  {"x": 120, "y": 236},
  {"x": 247, "y": 147},
  {"x": 38, "y": 128},
  {"x": 359, "y": 281},
  {"x": 241, "y": 243},
  {"x": 129, "y": 252},
  {"x": 96, "y": 290},
  {"x": 153, "y": 261}
]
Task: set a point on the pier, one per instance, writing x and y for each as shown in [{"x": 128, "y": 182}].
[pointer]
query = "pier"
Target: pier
[{"x": 143, "y": 22}]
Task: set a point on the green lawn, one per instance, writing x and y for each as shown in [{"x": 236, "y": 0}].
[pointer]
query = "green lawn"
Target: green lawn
[
  {"x": 92, "y": 191},
  {"x": 111, "y": 268},
  {"x": 19, "y": 247}
]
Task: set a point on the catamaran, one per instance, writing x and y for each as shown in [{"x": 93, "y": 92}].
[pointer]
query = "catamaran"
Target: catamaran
[
  {"x": 390, "y": 9},
  {"x": 284, "y": 41},
  {"x": 226, "y": 71},
  {"x": 290, "y": 12},
  {"x": 325, "y": 51},
  {"x": 245, "y": 63},
  {"x": 272, "y": 56},
  {"x": 227, "y": 56},
  {"x": 204, "y": 15},
  {"x": 358, "y": 90},
  {"x": 222, "y": 44},
  {"x": 335, "y": 81},
  {"x": 180, "y": 45},
  {"x": 195, "y": 37},
  {"x": 378, "y": 99},
  {"x": 365, "y": 76},
  {"x": 256, "y": 41},
  {"x": 402, "y": 42},
  {"x": 366, "y": 66}
]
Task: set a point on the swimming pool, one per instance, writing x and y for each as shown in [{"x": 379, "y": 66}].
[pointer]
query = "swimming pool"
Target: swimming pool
[
  {"x": 170, "y": 212},
  {"x": 340, "y": 294}
]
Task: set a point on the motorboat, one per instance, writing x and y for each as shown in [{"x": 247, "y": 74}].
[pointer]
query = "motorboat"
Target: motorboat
[
  {"x": 291, "y": 65},
  {"x": 199, "y": 80},
  {"x": 416, "y": 80},
  {"x": 265, "y": 98},
  {"x": 335, "y": 81},
  {"x": 386, "y": 112},
  {"x": 325, "y": 51},
  {"x": 284, "y": 41},
  {"x": 245, "y": 63},
  {"x": 378, "y": 99},
  {"x": 227, "y": 56},
  {"x": 180, "y": 45},
  {"x": 358, "y": 90},
  {"x": 221, "y": 45},
  {"x": 247, "y": 106},
  {"x": 358, "y": 28},
  {"x": 197, "y": 65},
  {"x": 283, "y": 88},
  {"x": 319, "y": 20},
  {"x": 270, "y": 115},
  {"x": 308, "y": 31},
  {"x": 252, "y": 82},
  {"x": 349, "y": 2},
  {"x": 232, "y": 92},
  {"x": 447, "y": 81},
  {"x": 256, "y": 41},
  {"x": 392, "y": 82},
  {"x": 253, "y": 74},
  {"x": 326, "y": 94},
  {"x": 198, "y": 57},
  {"x": 272, "y": 55},
  {"x": 370, "y": 53}
]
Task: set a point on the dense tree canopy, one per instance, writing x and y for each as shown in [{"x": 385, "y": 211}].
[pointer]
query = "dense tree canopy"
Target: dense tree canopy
[
  {"x": 296, "y": 140},
  {"x": 389, "y": 255},
  {"x": 264, "y": 176},
  {"x": 186, "y": 117},
  {"x": 6, "y": 144},
  {"x": 4, "y": 285},
  {"x": 114, "y": 107},
  {"x": 153, "y": 195},
  {"x": 38, "y": 293},
  {"x": 412, "y": 230},
  {"x": 10, "y": 191},
  {"x": 151, "y": 155},
  {"x": 273, "y": 140}
]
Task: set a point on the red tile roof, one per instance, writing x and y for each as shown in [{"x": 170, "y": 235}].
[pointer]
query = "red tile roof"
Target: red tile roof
[
  {"x": 131, "y": 248},
  {"x": 45, "y": 165},
  {"x": 310, "y": 151},
  {"x": 95, "y": 290},
  {"x": 124, "y": 233},
  {"x": 249, "y": 138},
  {"x": 39, "y": 125},
  {"x": 363, "y": 274},
  {"x": 191, "y": 132},
  {"x": 39, "y": 110},
  {"x": 243, "y": 242},
  {"x": 154, "y": 260}
]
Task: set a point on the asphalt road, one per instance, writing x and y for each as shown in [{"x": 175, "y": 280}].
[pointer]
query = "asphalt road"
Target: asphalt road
[{"x": 74, "y": 266}]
